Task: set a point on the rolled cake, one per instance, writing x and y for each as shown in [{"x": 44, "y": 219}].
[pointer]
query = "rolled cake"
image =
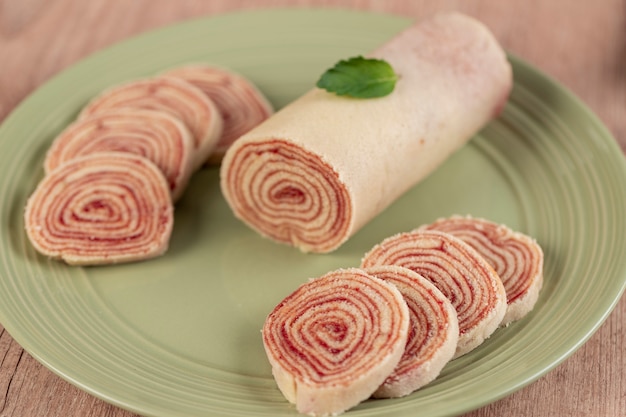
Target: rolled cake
[
  {"x": 156, "y": 135},
  {"x": 433, "y": 332},
  {"x": 101, "y": 208},
  {"x": 516, "y": 257},
  {"x": 320, "y": 168},
  {"x": 173, "y": 96},
  {"x": 241, "y": 104},
  {"x": 335, "y": 339},
  {"x": 458, "y": 271}
]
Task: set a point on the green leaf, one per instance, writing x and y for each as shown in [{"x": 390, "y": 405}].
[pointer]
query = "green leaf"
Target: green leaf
[{"x": 360, "y": 78}]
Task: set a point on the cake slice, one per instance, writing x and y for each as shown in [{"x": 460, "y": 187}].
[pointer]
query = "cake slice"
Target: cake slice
[
  {"x": 516, "y": 257},
  {"x": 335, "y": 339},
  {"x": 241, "y": 104},
  {"x": 433, "y": 332},
  {"x": 102, "y": 208},
  {"x": 174, "y": 96},
  {"x": 153, "y": 134}
]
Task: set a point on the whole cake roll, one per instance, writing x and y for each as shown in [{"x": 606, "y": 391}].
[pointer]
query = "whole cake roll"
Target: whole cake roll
[
  {"x": 516, "y": 257},
  {"x": 171, "y": 95},
  {"x": 156, "y": 135},
  {"x": 101, "y": 208},
  {"x": 320, "y": 168},
  {"x": 433, "y": 332},
  {"x": 335, "y": 339},
  {"x": 458, "y": 271},
  {"x": 241, "y": 104}
]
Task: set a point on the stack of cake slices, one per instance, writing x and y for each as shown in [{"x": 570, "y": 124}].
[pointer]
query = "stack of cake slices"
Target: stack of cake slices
[
  {"x": 340, "y": 338},
  {"x": 113, "y": 176}
]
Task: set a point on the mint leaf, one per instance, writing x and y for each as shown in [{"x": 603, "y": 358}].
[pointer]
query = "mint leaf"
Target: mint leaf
[{"x": 360, "y": 78}]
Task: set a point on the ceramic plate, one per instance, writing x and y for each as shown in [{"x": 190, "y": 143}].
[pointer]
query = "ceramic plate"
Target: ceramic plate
[{"x": 180, "y": 335}]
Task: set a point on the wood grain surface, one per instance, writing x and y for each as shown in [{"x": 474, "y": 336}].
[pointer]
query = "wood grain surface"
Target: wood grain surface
[{"x": 580, "y": 43}]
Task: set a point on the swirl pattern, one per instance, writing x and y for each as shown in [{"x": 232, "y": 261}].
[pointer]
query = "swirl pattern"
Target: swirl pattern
[
  {"x": 101, "y": 208},
  {"x": 458, "y": 271},
  {"x": 152, "y": 134},
  {"x": 335, "y": 339},
  {"x": 174, "y": 96},
  {"x": 288, "y": 194},
  {"x": 517, "y": 258},
  {"x": 241, "y": 104}
]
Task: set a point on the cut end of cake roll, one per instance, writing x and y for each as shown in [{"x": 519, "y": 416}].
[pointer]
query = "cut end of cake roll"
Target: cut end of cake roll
[
  {"x": 174, "y": 96},
  {"x": 101, "y": 208},
  {"x": 322, "y": 167},
  {"x": 433, "y": 332},
  {"x": 241, "y": 104},
  {"x": 458, "y": 271},
  {"x": 288, "y": 194},
  {"x": 334, "y": 340},
  {"x": 516, "y": 257},
  {"x": 153, "y": 134}
]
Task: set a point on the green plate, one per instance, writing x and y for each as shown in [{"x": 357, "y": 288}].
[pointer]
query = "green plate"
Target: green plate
[{"x": 180, "y": 335}]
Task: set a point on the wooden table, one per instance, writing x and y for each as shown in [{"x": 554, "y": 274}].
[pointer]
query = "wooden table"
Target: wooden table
[{"x": 580, "y": 43}]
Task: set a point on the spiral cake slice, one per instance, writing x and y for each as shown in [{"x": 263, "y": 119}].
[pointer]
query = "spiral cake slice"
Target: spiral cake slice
[
  {"x": 334, "y": 340},
  {"x": 241, "y": 104},
  {"x": 173, "y": 96},
  {"x": 153, "y": 134},
  {"x": 517, "y": 258},
  {"x": 433, "y": 332},
  {"x": 458, "y": 271},
  {"x": 101, "y": 208}
]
